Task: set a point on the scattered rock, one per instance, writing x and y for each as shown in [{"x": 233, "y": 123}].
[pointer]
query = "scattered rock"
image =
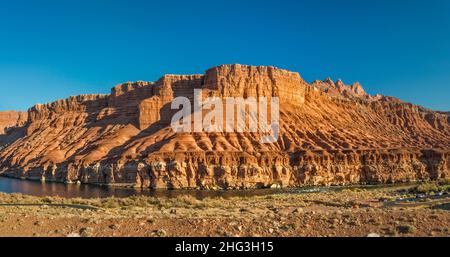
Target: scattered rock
[
  {"x": 160, "y": 233},
  {"x": 406, "y": 229},
  {"x": 114, "y": 226},
  {"x": 287, "y": 227},
  {"x": 298, "y": 210},
  {"x": 73, "y": 235},
  {"x": 86, "y": 232}
]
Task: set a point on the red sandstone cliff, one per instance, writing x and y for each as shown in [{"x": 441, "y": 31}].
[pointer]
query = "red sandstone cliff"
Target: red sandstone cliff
[
  {"x": 11, "y": 119},
  {"x": 331, "y": 133}
]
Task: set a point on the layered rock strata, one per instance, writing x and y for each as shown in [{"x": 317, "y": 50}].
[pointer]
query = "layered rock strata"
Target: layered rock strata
[
  {"x": 330, "y": 134},
  {"x": 10, "y": 120}
]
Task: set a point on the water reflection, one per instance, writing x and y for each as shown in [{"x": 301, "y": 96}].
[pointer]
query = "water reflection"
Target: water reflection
[{"x": 37, "y": 188}]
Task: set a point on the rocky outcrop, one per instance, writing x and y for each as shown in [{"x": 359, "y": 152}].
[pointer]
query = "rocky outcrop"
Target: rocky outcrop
[
  {"x": 11, "y": 119},
  {"x": 11, "y": 127},
  {"x": 250, "y": 81},
  {"x": 226, "y": 170},
  {"x": 331, "y": 134}
]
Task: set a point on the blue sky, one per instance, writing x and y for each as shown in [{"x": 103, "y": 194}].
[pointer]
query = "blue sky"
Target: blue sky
[{"x": 51, "y": 49}]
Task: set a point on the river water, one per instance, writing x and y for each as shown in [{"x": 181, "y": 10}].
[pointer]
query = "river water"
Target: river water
[{"x": 36, "y": 188}]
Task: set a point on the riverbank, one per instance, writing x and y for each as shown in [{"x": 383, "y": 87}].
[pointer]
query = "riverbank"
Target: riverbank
[{"x": 393, "y": 211}]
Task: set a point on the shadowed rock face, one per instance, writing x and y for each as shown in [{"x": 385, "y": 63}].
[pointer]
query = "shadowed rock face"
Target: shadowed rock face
[
  {"x": 10, "y": 120},
  {"x": 11, "y": 126},
  {"x": 331, "y": 134}
]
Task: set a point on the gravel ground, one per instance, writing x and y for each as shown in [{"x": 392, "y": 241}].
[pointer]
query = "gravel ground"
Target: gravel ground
[{"x": 361, "y": 213}]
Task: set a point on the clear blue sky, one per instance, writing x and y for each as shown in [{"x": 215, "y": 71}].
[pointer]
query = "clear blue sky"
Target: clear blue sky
[{"x": 54, "y": 49}]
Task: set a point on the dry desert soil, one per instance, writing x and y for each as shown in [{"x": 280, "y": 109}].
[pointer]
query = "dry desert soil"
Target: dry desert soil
[{"x": 407, "y": 210}]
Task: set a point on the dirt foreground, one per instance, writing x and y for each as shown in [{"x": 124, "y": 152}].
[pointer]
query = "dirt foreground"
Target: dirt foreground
[{"x": 399, "y": 211}]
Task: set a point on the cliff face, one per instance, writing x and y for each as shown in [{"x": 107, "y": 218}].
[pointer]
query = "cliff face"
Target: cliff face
[
  {"x": 11, "y": 126},
  {"x": 11, "y": 119},
  {"x": 330, "y": 133}
]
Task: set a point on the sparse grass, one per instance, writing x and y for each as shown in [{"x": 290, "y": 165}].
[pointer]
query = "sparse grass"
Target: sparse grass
[
  {"x": 267, "y": 215},
  {"x": 427, "y": 188},
  {"x": 342, "y": 198},
  {"x": 185, "y": 201}
]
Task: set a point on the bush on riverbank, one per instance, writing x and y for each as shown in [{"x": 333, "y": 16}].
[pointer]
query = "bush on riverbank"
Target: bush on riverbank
[{"x": 432, "y": 187}]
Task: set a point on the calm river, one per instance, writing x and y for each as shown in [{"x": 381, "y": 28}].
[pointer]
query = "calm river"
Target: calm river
[{"x": 36, "y": 188}]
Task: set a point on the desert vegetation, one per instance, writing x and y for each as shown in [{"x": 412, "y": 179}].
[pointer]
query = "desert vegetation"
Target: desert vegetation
[{"x": 391, "y": 211}]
